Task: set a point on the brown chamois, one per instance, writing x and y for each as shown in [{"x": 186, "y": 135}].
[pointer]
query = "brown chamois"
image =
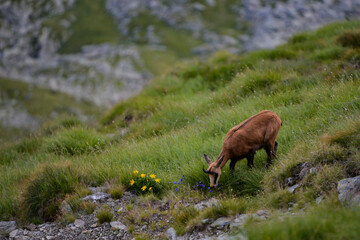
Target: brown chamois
[{"x": 242, "y": 141}]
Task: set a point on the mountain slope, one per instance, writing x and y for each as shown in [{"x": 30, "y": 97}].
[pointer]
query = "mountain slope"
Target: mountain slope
[{"x": 312, "y": 83}]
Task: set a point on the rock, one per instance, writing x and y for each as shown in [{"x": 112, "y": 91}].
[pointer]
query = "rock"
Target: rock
[
  {"x": 171, "y": 234},
  {"x": 97, "y": 196},
  {"x": 293, "y": 188},
  {"x": 79, "y": 223},
  {"x": 118, "y": 225},
  {"x": 211, "y": 202},
  {"x": 349, "y": 191},
  {"x": 31, "y": 227},
  {"x": 50, "y": 237},
  {"x": 239, "y": 221},
  {"x": 221, "y": 223},
  {"x": 98, "y": 189},
  {"x": 7, "y": 227},
  {"x": 290, "y": 181},
  {"x": 13, "y": 233},
  {"x": 65, "y": 207},
  {"x": 319, "y": 199},
  {"x": 206, "y": 221}
]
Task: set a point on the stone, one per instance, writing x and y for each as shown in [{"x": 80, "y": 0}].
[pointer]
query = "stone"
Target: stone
[
  {"x": 118, "y": 225},
  {"x": 209, "y": 203},
  {"x": 13, "y": 233},
  {"x": 97, "y": 196},
  {"x": 239, "y": 221},
  {"x": 171, "y": 234},
  {"x": 293, "y": 188},
  {"x": 31, "y": 227},
  {"x": 221, "y": 223},
  {"x": 65, "y": 207},
  {"x": 50, "y": 237},
  {"x": 206, "y": 221},
  {"x": 319, "y": 199},
  {"x": 349, "y": 191},
  {"x": 97, "y": 189},
  {"x": 7, "y": 227},
  {"x": 79, "y": 223}
]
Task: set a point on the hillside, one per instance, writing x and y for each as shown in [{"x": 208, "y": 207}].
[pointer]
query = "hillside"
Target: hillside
[
  {"x": 102, "y": 52},
  {"x": 312, "y": 83}
]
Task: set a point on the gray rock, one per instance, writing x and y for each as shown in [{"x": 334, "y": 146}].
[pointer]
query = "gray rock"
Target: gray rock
[
  {"x": 13, "y": 233},
  {"x": 171, "y": 234},
  {"x": 221, "y": 223},
  {"x": 118, "y": 225},
  {"x": 206, "y": 221},
  {"x": 209, "y": 203},
  {"x": 65, "y": 207},
  {"x": 239, "y": 221},
  {"x": 79, "y": 223},
  {"x": 293, "y": 188},
  {"x": 319, "y": 199},
  {"x": 349, "y": 191},
  {"x": 97, "y": 196},
  {"x": 7, "y": 227},
  {"x": 98, "y": 189}
]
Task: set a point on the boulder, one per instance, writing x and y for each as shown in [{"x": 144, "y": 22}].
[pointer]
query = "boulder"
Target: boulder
[
  {"x": 79, "y": 223},
  {"x": 7, "y": 227},
  {"x": 118, "y": 225},
  {"x": 171, "y": 234},
  {"x": 221, "y": 223},
  {"x": 349, "y": 191}
]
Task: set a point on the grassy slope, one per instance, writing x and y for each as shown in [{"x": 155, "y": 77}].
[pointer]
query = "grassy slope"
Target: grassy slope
[
  {"x": 93, "y": 25},
  {"x": 312, "y": 83},
  {"x": 40, "y": 103}
]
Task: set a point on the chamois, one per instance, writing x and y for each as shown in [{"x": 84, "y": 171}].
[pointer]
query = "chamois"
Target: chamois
[{"x": 242, "y": 141}]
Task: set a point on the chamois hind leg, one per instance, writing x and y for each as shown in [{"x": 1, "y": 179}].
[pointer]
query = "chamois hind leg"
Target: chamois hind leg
[
  {"x": 275, "y": 148},
  {"x": 270, "y": 151}
]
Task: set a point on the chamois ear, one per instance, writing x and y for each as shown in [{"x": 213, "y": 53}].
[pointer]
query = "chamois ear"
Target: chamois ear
[
  {"x": 207, "y": 159},
  {"x": 220, "y": 161}
]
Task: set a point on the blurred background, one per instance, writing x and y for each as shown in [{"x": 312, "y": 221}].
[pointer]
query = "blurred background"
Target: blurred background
[{"x": 81, "y": 57}]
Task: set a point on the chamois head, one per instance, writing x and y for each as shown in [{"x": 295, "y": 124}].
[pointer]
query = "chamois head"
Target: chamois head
[{"x": 214, "y": 170}]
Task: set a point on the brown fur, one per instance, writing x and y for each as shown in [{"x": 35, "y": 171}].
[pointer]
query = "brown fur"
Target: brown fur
[{"x": 242, "y": 141}]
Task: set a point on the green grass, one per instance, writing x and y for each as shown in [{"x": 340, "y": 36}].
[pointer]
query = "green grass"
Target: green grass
[
  {"x": 40, "y": 104},
  {"x": 188, "y": 111},
  {"x": 327, "y": 222},
  {"x": 93, "y": 25}
]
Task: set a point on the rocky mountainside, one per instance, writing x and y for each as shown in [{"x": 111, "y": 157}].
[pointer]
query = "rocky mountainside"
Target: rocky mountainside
[{"x": 151, "y": 34}]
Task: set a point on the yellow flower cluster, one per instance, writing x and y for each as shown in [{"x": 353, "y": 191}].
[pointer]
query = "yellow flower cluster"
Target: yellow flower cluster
[{"x": 143, "y": 175}]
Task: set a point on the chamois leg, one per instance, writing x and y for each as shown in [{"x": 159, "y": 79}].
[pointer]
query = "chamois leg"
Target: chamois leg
[
  {"x": 270, "y": 151},
  {"x": 250, "y": 159},
  {"x": 276, "y": 146}
]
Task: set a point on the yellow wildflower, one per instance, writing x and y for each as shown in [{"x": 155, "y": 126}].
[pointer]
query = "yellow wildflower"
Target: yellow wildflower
[
  {"x": 157, "y": 180},
  {"x": 150, "y": 188},
  {"x": 152, "y": 175},
  {"x": 143, "y": 175},
  {"x": 132, "y": 182},
  {"x": 135, "y": 171},
  {"x": 143, "y": 188}
]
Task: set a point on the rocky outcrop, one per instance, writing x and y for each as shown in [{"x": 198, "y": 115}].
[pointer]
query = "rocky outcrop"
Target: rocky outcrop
[
  {"x": 273, "y": 23},
  {"x": 349, "y": 191}
]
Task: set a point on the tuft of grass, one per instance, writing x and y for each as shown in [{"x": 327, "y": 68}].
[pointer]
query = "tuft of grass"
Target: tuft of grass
[
  {"x": 349, "y": 39},
  {"x": 75, "y": 141},
  {"x": 327, "y": 222},
  {"x": 42, "y": 197},
  {"x": 104, "y": 215},
  {"x": 117, "y": 191},
  {"x": 281, "y": 199}
]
